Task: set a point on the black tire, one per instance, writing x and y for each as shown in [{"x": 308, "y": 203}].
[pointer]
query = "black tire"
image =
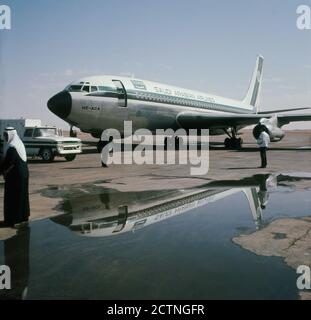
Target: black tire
[
  {"x": 165, "y": 143},
  {"x": 177, "y": 139},
  {"x": 171, "y": 143},
  {"x": 99, "y": 146},
  {"x": 239, "y": 143},
  {"x": 102, "y": 144},
  {"x": 47, "y": 155},
  {"x": 70, "y": 157},
  {"x": 227, "y": 143}
]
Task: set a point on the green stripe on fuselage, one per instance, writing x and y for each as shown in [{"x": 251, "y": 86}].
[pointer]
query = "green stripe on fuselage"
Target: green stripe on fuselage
[{"x": 148, "y": 96}]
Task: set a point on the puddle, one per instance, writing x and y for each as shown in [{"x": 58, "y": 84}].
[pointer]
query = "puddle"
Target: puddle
[{"x": 167, "y": 244}]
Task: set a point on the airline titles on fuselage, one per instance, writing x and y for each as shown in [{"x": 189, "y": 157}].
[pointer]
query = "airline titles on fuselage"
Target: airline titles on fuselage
[
  {"x": 183, "y": 94},
  {"x": 138, "y": 84}
]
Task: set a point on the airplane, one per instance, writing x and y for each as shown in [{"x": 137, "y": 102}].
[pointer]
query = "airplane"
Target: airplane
[{"x": 97, "y": 103}]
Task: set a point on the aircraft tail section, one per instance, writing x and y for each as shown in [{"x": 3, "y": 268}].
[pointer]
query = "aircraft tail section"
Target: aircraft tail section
[{"x": 253, "y": 93}]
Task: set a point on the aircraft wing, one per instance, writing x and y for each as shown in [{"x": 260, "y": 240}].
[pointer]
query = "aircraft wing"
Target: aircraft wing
[
  {"x": 198, "y": 120},
  {"x": 282, "y": 110},
  {"x": 285, "y": 118}
]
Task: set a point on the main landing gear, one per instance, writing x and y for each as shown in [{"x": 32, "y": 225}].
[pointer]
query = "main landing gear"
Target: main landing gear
[{"x": 233, "y": 142}]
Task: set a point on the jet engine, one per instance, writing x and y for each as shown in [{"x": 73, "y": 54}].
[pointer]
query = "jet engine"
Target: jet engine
[{"x": 271, "y": 127}]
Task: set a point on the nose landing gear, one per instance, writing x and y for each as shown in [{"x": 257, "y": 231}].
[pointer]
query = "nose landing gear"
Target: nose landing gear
[{"x": 100, "y": 145}]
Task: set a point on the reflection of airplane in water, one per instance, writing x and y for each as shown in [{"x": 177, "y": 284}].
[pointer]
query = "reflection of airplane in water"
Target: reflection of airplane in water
[
  {"x": 98, "y": 213},
  {"x": 113, "y": 213}
]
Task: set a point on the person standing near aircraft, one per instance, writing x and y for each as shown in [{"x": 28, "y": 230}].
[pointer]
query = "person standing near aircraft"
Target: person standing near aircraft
[
  {"x": 263, "y": 143},
  {"x": 15, "y": 171}
]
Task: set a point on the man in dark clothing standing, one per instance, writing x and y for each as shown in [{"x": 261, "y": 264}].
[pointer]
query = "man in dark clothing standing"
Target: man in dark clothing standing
[{"x": 15, "y": 171}]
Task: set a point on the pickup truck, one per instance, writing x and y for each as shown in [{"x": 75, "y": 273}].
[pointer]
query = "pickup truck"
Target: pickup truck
[{"x": 42, "y": 141}]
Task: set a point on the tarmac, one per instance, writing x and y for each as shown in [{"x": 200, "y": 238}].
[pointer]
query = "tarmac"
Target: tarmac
[{"x": 292, "y": 154}]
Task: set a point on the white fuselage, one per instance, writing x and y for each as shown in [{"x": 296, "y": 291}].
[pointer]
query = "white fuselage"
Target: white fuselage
[{"x": 105, "y": 102}]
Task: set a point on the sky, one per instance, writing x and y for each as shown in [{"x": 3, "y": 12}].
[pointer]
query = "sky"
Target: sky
[{"x": 206, "y": 45}]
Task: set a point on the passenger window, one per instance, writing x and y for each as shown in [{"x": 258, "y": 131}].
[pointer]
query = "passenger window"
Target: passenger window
[
  {"x": 28, "y": 133},
  {"x": 93, "y": 88}
]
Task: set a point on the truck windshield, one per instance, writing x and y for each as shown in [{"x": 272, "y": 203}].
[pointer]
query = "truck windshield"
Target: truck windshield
[{"x": 45, "y": 132}]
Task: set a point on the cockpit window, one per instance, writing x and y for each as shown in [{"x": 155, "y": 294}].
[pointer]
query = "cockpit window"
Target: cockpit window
[
  {"x": 86, "y": 88},
  {"x": 82, "y": 86},
  {"x": 74, "y": 88}
]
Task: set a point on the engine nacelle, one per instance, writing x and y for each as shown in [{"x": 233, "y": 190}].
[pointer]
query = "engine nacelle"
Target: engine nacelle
[{"x": 271, "y": 127}]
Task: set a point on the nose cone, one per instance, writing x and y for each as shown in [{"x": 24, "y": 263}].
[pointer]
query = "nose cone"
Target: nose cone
[{"x": 60, "y": 104}]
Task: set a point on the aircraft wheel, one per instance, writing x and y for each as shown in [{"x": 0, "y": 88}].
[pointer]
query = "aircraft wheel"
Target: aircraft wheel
[
  {"x": 233, "y": 143},
  {"x": 227, "y": 143},
  {"x": 239, "y": 143},
  {"x": 99, "y": 146},
  {"x": 177, "y": 141},
  {"x": 165, "y": 143}
]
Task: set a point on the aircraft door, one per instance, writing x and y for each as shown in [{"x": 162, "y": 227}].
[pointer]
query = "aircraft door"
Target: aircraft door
[{"x": 122, "y": 96}]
